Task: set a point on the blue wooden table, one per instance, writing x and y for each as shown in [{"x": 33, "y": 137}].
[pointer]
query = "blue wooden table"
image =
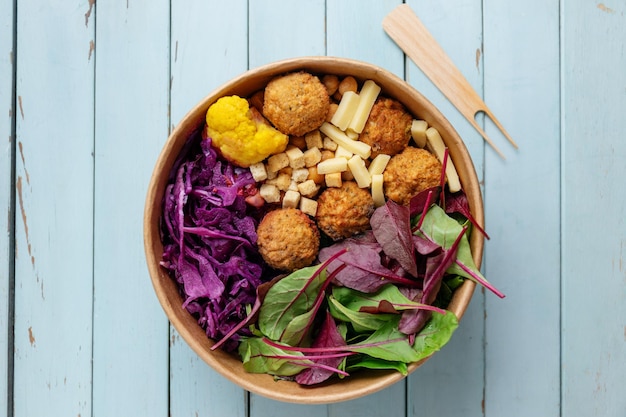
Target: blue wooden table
[{"x": 89, "y": 93}]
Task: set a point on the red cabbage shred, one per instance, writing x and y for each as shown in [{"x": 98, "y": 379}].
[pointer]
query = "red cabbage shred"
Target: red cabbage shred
[{"x": 209, "y": 238}]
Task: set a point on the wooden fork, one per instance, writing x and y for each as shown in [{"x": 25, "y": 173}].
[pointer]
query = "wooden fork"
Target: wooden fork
[{"x": 406, "y": 29}]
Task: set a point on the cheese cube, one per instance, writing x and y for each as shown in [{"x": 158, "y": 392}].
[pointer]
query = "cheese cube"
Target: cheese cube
[
  {"x": 378, "y": 164},
  {"x": 342, "y": 152},
  {"x": 332, "y": 165},
  {"x": 359, "y": 171},
  {"x": 377, "y": 190}
]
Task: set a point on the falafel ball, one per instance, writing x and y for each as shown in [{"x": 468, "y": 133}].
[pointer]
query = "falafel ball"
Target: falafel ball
[
  {"x": 344, "y": 211},
  {"x": 410, "y": 172},
  {"x": 296, "y": 103},
  {"x": 388, "y": 127},
  {"x": 288, "y": 239}
]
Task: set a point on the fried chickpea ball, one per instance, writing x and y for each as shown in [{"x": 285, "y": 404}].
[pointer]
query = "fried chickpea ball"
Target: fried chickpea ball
[
  {"x": 388, "y": 127},
  {"x": 288, "y": 239},
  {"x": 296, "y": 103},
  {"x": 345, "y": 211},
  {"x": 410, "y": 172}
]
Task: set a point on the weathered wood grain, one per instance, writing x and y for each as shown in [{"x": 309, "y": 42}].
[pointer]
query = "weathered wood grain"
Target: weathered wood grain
[
  {"x": 203, "y": 58},
  {"x": 459, "y": 367},
  {"x": 279, "y": 29},
  {"x": 522, "y": 197},
  {"x": 593, "y": 304},
  {"x": 130, "y": 358},
  {"x": 54, "y": 210},
  {"x": 7, "y": 32}
]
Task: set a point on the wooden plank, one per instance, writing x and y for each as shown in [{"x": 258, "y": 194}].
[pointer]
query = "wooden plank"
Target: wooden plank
[
  {"x": 6, "y": 205},
  {"x": 594, "y": 209},
  {"x": 130, "y": 358},
  {"x": 54, "y": 185},
  {"x": 279, "y": 29},
  {"x": 200, "y": 64},
  {"x": 459, "y": 367},
  {"x": 522, "y": 194},
  {"x": 354, "y": 31}
]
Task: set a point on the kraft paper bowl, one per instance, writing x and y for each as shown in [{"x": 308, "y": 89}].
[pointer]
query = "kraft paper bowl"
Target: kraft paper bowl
[{"x": 229, "y": 365}]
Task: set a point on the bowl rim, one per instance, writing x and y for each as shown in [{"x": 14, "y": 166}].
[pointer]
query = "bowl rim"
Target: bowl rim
[{"x": 357, "y": 385}]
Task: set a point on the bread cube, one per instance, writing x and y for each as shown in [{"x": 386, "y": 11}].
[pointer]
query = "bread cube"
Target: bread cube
[
  {"x": 313, "y": 139},
  {"x": 270, "y": 193},
  {"x": 329, "y": 144},
  {"x": 276, "y": 162},
  {"x": 333, "y": 180},
  {"x": 258, "y": 171},
  {"x": 291, "y": 199},
  {"x": 300, "y": 174},
  {"x": 296, "y": 157},
  {"x": 312, "y": 157},
  {"x": 308, "y": 188},
  {"x": 308, "y": 206}
]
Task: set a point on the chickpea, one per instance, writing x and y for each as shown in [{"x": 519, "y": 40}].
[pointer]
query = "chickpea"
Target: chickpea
[
  {"x": 331, "y": 82},
  {"x": 347, "y": 84}
]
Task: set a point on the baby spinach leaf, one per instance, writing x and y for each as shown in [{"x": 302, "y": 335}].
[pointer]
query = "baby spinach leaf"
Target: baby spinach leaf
[
  {"x": 259, "y": 357},
  {"x": 291, "y": 297},
  {"x": 387, "y": 343},
  {"x": 361, "y": 322},
  {"x": 375, "y": 363},
  {"x": 435, "y": 334}
]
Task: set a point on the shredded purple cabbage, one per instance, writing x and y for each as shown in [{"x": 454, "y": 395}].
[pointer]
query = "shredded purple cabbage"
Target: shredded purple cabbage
[{"x": 209, "y": 238}]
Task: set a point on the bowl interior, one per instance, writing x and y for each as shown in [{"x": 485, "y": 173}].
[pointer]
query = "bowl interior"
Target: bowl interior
[{"x": 229, "y": 365}]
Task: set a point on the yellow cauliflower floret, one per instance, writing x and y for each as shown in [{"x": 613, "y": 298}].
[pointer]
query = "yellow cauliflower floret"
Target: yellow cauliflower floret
[{"x": 241, "y": 133}]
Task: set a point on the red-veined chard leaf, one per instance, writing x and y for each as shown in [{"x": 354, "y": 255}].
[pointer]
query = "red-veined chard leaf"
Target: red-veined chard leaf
[
  {"x": 436, "y": 267},
  {"x": 328, "y": 336},
  {"x": 363, "y": 269},
  {"x": 444, "y": 230},
  {"x": 457, "y": 203},
  {"x": 380, "y": 301},
  {"x": 391, "y": 225}
]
